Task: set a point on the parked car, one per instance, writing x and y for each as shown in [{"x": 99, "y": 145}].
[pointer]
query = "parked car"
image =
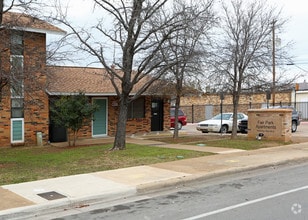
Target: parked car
[
  {"x": 243, "y": 124},
  {"x": 217, "y": 125},
  {"x": 182, "y": 118},
  {"x": 295, "y": 117}
]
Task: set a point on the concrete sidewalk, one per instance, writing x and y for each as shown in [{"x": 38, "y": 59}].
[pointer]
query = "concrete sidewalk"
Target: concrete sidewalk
[{"x": 21, "y": 200}]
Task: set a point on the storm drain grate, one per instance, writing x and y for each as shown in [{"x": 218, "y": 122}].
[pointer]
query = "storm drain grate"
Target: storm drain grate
[{"x": 51, "y": 195}]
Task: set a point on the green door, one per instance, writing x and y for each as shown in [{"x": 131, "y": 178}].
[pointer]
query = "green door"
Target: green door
[{"x": 99, "y": 125}]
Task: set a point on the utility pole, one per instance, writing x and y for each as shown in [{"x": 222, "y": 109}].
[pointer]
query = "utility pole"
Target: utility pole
[{"x": 274, "y": 62}]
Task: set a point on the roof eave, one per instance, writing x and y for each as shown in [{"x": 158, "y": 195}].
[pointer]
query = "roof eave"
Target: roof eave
[
  {"x": 76, "y": 93},
  {"x": 36, "y": 30}
]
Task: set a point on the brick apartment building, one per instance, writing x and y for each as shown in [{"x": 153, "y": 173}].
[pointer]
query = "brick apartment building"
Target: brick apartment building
[
  {"x": 28, "y": 86},
  {"x": 145, "y": 114}
]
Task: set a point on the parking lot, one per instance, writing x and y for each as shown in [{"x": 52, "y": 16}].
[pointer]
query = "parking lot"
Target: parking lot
[{"x": 302, "y": 130}]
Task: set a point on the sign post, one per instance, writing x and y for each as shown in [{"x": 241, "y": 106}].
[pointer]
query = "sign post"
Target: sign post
[{"x": 221, "y": 101}]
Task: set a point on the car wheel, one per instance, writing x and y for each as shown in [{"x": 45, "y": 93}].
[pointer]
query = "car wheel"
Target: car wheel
[
  {"x": 243, "y": 131},
  {"x": 294, "y": 126},
  {"x": 180, "y": 125},
  {"x": 224, "y": 129}
]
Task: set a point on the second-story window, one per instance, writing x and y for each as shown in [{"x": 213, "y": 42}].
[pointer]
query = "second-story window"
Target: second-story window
[
  {"x": 17, "y": 44},
  {"x": 17, "y": 75},
  {"x": 17, "y": 90}
]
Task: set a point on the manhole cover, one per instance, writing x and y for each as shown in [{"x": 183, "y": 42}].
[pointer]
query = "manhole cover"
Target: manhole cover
[{"x": 51, "y": 195}]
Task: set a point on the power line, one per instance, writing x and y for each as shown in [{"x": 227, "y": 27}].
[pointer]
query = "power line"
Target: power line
[{"x": 306, "y": 71}]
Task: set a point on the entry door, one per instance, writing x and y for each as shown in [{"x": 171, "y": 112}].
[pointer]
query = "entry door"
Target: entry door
[
  {"x": 157, "y": 115},
  {"x": 209, "y": 111},
  {"x": 99, "y": 125}
]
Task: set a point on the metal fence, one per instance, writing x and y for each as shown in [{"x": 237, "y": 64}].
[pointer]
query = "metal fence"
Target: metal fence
[{"x": 196, "y": 113}]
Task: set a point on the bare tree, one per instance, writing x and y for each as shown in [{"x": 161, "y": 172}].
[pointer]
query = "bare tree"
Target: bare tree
[
  {"x": 189, "y": 46},
  {"x": 244, "y": 54},
  {"x": 139, "y": 29}
]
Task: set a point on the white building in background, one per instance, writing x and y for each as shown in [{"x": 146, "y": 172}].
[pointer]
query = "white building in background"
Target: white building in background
[{"x": 300, "y": 98}]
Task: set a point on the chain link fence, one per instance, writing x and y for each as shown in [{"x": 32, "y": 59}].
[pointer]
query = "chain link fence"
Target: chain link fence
[{"x": 197, "y": 113}]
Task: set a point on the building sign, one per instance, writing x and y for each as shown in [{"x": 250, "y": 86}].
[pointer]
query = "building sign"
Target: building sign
[{"x": 270, "y": 124}]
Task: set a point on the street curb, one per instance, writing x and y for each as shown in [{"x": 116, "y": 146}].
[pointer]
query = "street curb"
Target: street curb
[
  {"x": 189, "y": 179},
  {"x": 28, "y": 212}
]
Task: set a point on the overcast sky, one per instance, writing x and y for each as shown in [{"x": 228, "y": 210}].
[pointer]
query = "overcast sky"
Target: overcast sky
[
  {"x": 296, "y": 30},
  {"x": 297, "y": 27}
]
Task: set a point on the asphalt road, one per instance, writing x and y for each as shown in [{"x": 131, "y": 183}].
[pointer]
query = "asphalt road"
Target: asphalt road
[{"x": 271, "y": 193}]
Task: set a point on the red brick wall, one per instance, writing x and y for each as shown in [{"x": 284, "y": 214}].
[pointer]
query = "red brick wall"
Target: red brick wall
[
  {"x": 136, "y": 125},
  {"x": 133, "y": 126},
  {"x": 166, "y": 114},
  {"x": 5, "y": 113},
  {"x": 5, "y": 119},
  {"x": 36, "y": 100}
]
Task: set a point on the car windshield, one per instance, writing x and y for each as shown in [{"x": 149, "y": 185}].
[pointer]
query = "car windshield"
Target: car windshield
[
  {"x": 225, "y": 116},
  {"x": 172, "y": 113}
]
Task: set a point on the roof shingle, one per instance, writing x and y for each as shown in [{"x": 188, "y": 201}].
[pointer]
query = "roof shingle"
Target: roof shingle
[
  {"x": 67, "y": 80},
  {"x": 19, "y": 20},
  {"x": 64, "y": 80}
]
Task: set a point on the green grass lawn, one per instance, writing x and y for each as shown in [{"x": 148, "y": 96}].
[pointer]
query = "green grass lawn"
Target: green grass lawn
[{"x": 22, "y": 164}]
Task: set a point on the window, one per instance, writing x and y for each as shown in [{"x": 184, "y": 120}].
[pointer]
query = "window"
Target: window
[
  {"x": 136, "y": 108},
  {"x": 17, "y": 75},
  {"x": 17, "y": 107},
  {"x": 17, "y": 90},
  {"x": 17, "y": 130},
  {"x": 17, "y": 43}
]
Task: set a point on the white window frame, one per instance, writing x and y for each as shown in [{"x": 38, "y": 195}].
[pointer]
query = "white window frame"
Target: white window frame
[{"x": 23, "y": 131}]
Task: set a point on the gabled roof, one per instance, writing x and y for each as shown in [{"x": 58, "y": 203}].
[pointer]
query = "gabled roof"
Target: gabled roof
[
  {"x": 63, "y": 80},
  {"x": 14, "y": 20}
]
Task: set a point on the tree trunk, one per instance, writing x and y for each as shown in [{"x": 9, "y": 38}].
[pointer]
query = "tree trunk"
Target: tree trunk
[
  {"x": 176, "y": 115},
  {"x": 119, "y": 141},
  {"x": 1, "y": 10},
  {"x": 68, "y": 137},
  {"x": 235, "y": 106},
  {"x": 75, "y": 138}
]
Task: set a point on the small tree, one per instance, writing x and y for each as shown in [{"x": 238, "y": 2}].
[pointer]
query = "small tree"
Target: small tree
[{"x": 72, "y": 112}]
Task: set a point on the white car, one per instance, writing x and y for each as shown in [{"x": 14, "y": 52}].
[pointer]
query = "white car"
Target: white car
[{"x": 215, "y": 124}]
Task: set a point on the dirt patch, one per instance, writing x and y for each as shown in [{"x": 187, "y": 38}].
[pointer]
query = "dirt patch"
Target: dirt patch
[
  {"x": 298, "y": 139},
  {"x": 7, "y": 165},
  {"x": 186, "y": 139},
  {"x": 12, "y": 200}
]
